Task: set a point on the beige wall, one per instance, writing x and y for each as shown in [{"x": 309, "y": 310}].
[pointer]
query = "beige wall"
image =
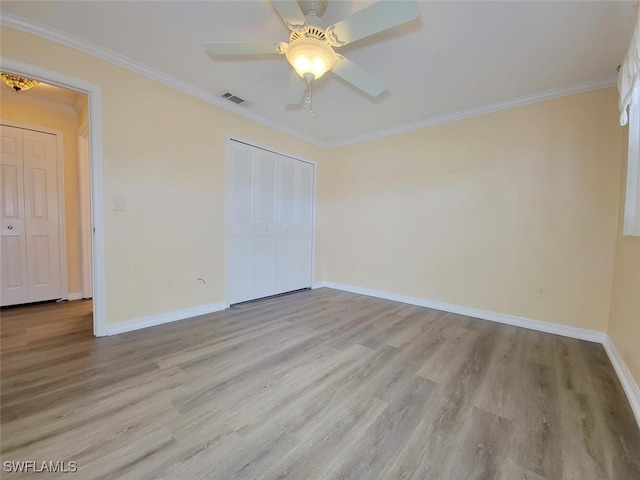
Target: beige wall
[
  {"x": 624, "y": 322},
  {"x": 66, "y": 122},
  {"x": 483, "y": 211},
  {"x": 165, "y": 152}
]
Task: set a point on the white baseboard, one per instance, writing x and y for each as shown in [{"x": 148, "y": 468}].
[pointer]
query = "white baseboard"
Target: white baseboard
[
  {"x": 573, "y": 332},
  {"x": 74, "y": 296},
  {"x": 153, "y": 320},
  {"x": 319, "y": 285},
  {"x": 628, "y": 382}
]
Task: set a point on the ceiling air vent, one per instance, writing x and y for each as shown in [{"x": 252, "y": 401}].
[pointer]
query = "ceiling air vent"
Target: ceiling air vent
[{"x": 232, "y": 98}]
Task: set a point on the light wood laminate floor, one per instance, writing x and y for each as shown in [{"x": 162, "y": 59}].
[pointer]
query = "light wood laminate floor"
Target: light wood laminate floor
[{"x": 317, "y": 385}]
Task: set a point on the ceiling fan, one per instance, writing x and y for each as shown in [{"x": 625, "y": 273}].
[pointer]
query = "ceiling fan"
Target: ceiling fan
[{"x": 312, "y": 43}]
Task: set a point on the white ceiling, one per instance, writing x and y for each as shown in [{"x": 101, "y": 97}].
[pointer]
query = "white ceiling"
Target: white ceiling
[{"x": 456, "y": 56}]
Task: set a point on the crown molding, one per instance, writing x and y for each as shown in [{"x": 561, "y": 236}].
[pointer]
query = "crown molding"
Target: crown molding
[
  {"x": 77, "y": 43},
  {"x": 583, "y": 87},
  {"x": 24, "y": 97}
]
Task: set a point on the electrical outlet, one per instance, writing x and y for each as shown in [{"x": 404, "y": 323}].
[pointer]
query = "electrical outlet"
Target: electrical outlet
[
  {"x": 168, "y": 283},
  {"x": 541, "y": 292},
  {"x": 118, "y": 203},
  {"x": 355, "y": 267}
]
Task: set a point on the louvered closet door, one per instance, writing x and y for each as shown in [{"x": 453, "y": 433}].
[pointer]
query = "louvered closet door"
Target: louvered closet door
[
  {"x": 295, "y": 224},
  {"x": 286, "y": 241},
  {"x": 240, "y": 223},
  {"x": 270, "y": 221},
  {"x": 264, "y": 194},
  {"x": 304, "y": 227}
]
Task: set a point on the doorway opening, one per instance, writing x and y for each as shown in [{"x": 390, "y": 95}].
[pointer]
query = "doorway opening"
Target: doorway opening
[{"x": 51, "y": 217}]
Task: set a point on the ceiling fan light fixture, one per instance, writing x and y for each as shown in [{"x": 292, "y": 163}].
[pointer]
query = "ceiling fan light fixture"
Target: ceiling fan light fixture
[
  {"x": 19, "y": 84},
  {"x": 311, "y": 56}
]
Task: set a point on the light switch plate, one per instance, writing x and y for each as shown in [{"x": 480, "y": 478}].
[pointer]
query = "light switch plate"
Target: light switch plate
[{"x": 118, "y": 203}]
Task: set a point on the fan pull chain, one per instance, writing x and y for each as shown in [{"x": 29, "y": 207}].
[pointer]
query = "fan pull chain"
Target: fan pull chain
[{"x": 309, "y": 98}]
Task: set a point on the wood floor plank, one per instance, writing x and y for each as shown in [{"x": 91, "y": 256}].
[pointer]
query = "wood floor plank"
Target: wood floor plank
[
  {"x": 319, "y": 385},
  {"x": 387, "y": 436},
  {"x": 497, "y": 392},
  {"x": 428, "y": 452},
  {"x": 324, "y": 443},
  {"x": 511, "y": 471},
  {"x": 615, "y": 420},
  {"x": 481, "y": 453},
  {"x": 338, "y": 393},
  {"x": 443, "y": 365},
  {"x": 537, "y": 444},
  {"x": 583, "y": 457}
]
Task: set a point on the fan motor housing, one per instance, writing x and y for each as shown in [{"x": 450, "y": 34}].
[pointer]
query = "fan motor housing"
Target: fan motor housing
[
  {"x": 309, "y": 31},
  {"x": 313, "y": 7}
]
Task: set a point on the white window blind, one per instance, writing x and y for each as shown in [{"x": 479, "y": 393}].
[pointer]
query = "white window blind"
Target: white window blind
[
  {"x": 631, "y": 224},
  {"x": 629, "y": 87}
]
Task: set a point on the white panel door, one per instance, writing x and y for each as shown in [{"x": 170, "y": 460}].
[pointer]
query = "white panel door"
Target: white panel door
[
  {"x": 240, "y": 224},
  {"x": 30, "y": 217},
  {"x": 13, "y": 250},
  {"x": 42, "y": 215}
]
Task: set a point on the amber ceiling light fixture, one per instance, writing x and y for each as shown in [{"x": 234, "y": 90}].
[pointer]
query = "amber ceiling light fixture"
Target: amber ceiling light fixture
[
  {"x": 18, "y": 83},
  {"x": 312, "y": 43}
]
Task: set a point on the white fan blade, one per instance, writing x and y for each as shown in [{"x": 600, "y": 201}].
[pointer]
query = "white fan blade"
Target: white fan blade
[
  {"x": 358, "y": 77},
  {"x": 297, "y": 87},
  {"x": 242, "y": 48},
  {"x": 290, "y": 12},
  {"x": 375, "y": 18}
]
